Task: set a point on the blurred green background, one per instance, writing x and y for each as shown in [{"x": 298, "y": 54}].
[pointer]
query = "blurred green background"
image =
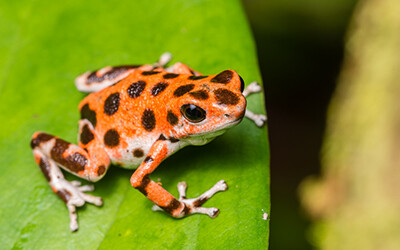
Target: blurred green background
[{"x": 300, "y": 50}]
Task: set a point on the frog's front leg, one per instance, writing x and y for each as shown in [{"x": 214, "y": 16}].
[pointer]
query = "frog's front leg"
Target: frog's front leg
[
  {"x": 90, "y": 162},
  {"x": 162, "y": 198}
]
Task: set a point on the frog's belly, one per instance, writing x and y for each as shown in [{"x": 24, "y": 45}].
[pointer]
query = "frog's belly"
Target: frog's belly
[{"x": 131, "y": 152}]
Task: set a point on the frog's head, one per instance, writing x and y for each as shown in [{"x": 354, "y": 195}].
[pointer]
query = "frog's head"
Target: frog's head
[{"x": 208, "y": 106}]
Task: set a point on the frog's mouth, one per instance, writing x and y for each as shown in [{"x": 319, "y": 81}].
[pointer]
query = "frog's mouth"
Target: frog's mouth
[
  {"x": 217, "y": 132},
  {"x": 207, "y": 136},
  {"x": 236, "y": 121},
  {"x": 223, "y": 127}
]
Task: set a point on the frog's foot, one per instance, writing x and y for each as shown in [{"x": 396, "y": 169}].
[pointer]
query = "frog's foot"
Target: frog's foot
[
  {"x": 165, "y": 58},
  {"x": 253, "y": 87},
  {"x": 258, "y": 119},
  {"x": 73, "y": 194},
  {"x": 193, "y": 206}
]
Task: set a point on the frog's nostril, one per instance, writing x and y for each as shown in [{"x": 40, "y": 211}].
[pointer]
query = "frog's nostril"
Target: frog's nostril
[{"x": 227, "y": 115}]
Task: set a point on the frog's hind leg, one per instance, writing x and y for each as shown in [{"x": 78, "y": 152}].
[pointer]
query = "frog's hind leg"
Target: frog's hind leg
[
  {"x": 162, "y": 198},
  {"x": 51, "y": 152},
  {"x": 94, "y": 81},
  {"x": 180, "y": 68},
  {"x": 258, "y": 119}
]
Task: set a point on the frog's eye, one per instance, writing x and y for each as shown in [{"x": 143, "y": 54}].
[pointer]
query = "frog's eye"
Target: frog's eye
[
  {"x": 241, "y": 84},
  {"x": 193, "y": 113}
]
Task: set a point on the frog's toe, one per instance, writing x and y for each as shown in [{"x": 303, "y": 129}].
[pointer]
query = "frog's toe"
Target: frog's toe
[
  {"x": 93, "y": 199},
  {"x": 80, "y": 197},
  {"x": 73, "y": 224},
  {"x": 194, "y": 206},
  {"x": 210, "y": 211},
  {"x": 78, "y": 201},
  {"x": 76, "y": 183},
  {"x": 253, "y": 87},
  {"x": 258, "y": 119},
  {"x": 86, "y": 188}
]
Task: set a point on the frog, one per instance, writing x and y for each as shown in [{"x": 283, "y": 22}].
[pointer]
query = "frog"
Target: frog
[{"x": 135, "y": 116}]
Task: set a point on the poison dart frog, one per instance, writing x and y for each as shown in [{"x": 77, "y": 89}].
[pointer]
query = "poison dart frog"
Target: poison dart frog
[{"x": 136, "y": 116}]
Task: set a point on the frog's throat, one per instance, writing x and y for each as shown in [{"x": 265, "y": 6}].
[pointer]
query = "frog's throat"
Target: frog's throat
[{"x": 201, "y": 139}]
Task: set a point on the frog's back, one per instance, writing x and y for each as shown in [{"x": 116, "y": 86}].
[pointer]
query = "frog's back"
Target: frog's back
[{"x": 138, "y": 104}]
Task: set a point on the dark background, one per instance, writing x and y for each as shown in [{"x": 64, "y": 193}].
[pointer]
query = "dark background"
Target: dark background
[{"x": 300, "y": 50}]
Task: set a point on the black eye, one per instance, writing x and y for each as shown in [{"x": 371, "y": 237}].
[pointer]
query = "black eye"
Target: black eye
[
  {"x": 241, "y": 84},
  {"x": 193, "y": 113}
]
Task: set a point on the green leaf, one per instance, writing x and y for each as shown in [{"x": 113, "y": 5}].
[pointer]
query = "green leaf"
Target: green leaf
[{"x": 44, "y": 46}]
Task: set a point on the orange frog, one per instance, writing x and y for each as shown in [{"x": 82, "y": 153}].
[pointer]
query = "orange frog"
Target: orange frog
[{"x": 137, "y": 116}]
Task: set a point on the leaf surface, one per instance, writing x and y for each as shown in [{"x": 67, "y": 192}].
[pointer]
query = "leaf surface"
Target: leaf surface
[{"x": 44, "y": 45}]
